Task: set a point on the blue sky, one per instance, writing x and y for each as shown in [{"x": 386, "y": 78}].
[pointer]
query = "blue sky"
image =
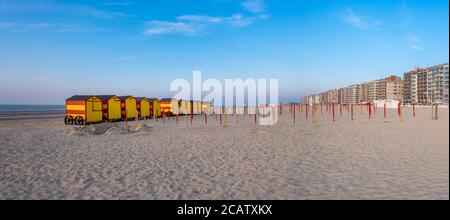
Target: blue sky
[{"x": 52, "y": 49}]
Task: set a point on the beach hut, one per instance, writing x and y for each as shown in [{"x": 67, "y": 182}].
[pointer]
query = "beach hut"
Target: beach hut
[
  {"x": 128, "y": 107},
  {"x": 207, "y": 107},
  {"x": 83, "y": 109},
  {"x": 110, "y": 107},
  {"x": 184, "y": 107},
  {"x": 155, "y": 107},
  {"x": 169, "y": 106},
  {"x": 196, "y": 107},
  {"x": 143, "y": 107}
]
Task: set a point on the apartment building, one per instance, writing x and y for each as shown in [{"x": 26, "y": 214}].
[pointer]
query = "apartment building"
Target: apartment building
[
  {"x": 426, "y": 86},
  {"x": 393, "y": 89}
]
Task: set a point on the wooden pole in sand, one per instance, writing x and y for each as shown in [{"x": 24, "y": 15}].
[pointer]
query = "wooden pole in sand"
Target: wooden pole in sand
[
  {"x": 370, "y": 110},
  {"x": 154, "y": 119},
  {"x": 126, "y": 116},
  {"x": 332, "y": 109},
  {"x": 398, "y": 109},
  {"x": 256, "y": 110},
  {"x": 206, "y": 118},
  {"x": 351, "y": 107},
  {"x": 414, "y": 110},
  {"x": 294, "y": 115},
  {"x": 225, "y": 118},
  {"x": 306, "y": 111},
  {"x": 236, "y": 115},
  {"x": 186, "y": 117},
  {"x": 340, "y": 109},
  {"x": 321, "y": 108},
  {"x": 385, "y": 111},
  {"x": 176, "y": 116},
  {"x": 401, "y": 112}
]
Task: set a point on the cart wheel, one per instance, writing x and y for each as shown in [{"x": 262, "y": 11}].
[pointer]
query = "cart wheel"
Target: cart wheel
[
  {"x": 68, "y": 120},
  {"x": 79, "y": 120}
]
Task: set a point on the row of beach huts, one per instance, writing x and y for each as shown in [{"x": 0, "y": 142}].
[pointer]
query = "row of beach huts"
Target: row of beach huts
[{"x": 88, "y": 109}]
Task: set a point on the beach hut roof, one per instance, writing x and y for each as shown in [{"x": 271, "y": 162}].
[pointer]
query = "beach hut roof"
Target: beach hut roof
[
  {"x": 167, "y": 99},
  {"x": 125, "y": 97},
  {"x": 105, "y": 97},
  {"x": 140, "y": 98},
  {"x": 153, "y": 99},
  {"x": 79, "y": 97}
]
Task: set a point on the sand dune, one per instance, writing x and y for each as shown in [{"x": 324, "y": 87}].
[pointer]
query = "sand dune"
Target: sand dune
[{"x": 370, "y": 159}]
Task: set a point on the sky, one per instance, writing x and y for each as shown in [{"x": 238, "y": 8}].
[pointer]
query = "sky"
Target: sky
[{"x": 50, "y": 50}]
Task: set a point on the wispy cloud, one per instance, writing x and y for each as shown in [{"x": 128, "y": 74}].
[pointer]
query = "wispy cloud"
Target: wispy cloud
[
  {"x": 193, "y": 25},
  {"x": 45, "y": 26},
  {"x": 254, "y": 6},
  {"x": 117, "y": 3},
  {"x": 58, "y": 8},
  {"x": 415, "y": 42},
  {"x": 359, "y": 21}
]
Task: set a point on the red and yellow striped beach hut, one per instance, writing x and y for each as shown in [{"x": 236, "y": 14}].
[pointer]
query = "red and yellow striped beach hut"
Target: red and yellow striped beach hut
[
  {"x": 169, "y": 106},
  {"x": 143, "y": 107},
  {"x": 83, "y": 109},
  {"x": 128, "y": 107},
  {"x": 155, "y": 107},
  {"x": 111, "y": 107}
]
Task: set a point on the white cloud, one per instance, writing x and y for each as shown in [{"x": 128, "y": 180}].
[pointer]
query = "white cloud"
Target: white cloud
[
  {"x": 117, "y": 3},
  {"x": 58, "y": 8},
  {"x": 254, "y": 6},
  {"x": 51, "y": 27},
  {"x": 415, "y": 42},
  {"x": 193, "y": 25},
  {"x": 358, "y": 21}
]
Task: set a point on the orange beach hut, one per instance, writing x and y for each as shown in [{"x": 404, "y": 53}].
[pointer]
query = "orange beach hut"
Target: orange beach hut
[{"x": 169, "y": 106}]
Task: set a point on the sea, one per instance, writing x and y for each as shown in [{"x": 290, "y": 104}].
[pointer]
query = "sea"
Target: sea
[{"x": 8, "y": 112}]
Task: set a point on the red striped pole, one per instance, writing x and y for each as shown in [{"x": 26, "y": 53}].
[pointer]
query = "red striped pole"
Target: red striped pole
[
  {"x": 370, "y": 110},
  {"x": 398, "y": 109},
  {"x": 385, "y": 111}
]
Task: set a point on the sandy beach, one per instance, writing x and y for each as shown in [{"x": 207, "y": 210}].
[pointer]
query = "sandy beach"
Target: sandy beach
[{"x": 359, "y": 159}]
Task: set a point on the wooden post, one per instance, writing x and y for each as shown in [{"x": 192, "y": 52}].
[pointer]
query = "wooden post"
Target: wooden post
[
  {"x": 340, "y": 109},
  {"x": 225, "y": 119},
  {"x": 256, "y": 109},
  {"x": 176, "y": 118},
  {"x": 306, "y": 111},
  {"x": 414, "y": 110},
  {"x": 206, "y": 119},
  {"x": 126, "y": 116},
  {"x": 294, "y": 114},
  {"x": 351, "y": 107},
  {"x": 370, "y": 110},
  {"x": 332, "y": 109},
  {"x": 385, "y": 111}
]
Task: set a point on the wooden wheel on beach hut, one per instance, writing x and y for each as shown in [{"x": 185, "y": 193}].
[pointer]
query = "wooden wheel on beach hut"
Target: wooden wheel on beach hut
[
  {"x": 169, "y": 106},
  {"x": 143, "y": 107},
  {"x": 83, "y": 109},
  {"x": 155, "y": 107},
  {"x": 111, "y": 107},
  {"x": 128, "y": 107}
]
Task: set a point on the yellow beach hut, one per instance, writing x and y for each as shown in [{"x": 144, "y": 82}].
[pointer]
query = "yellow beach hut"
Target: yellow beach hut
[
  {"x": 128, "y": 107},
  {"x": 196, "y": 107},
  {"x": 155, "y": 107},
  {"x": 110, "y": 107},
  {"x": 83, "y": 109},
  {"x": 143, "y": 107}
]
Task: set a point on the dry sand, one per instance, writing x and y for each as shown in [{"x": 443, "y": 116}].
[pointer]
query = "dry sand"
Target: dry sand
[{"x": 373, "y": 159}]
